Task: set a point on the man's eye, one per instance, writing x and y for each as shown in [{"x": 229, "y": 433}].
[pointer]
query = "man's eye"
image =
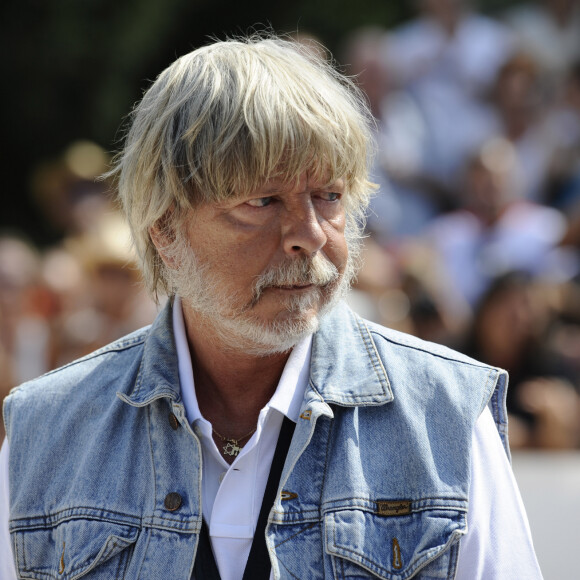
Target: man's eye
[
  {"x": 260, "y": 201},
  {"x": 330, "y": 195}
]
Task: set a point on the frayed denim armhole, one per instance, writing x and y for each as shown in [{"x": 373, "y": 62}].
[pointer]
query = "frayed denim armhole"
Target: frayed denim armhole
[{"x": 497, "y": 405}]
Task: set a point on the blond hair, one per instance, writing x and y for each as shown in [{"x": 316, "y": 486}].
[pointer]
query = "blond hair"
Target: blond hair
[{"x": 222, "y": 120}]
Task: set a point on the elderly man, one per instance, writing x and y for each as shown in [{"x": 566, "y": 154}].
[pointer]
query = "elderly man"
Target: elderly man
[{"x": 258, "y": 428}]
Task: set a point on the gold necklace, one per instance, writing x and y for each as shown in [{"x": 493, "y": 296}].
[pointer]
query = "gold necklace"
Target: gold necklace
[{"x": 232, "y": 446}]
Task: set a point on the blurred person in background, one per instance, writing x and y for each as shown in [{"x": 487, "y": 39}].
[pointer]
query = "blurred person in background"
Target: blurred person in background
[
  {"x": 565, "y": 185},
  {"x": 407, "y": 198},
  {"x": 258, "y": 424},
  {"x": 512, "y": 328},
  {"x": 25, "y": 308},
  {"x": 403, "y": 287},
  {"x": 565, "y": 333},
  {"x": 99, "y": 292},
  {"x": 67, "y": 191},
  {"x": 496, "y": 230},
  {"x": 549, "y": 31},
  {"x": 90, "y": 276},
  {"x": 563, "y": 188},
  {"x": 448, "y": 58},
  {"x": 427, "y": 83},
  {"x": 521, "y": 113},
  {"x": 77, "y": 295}
]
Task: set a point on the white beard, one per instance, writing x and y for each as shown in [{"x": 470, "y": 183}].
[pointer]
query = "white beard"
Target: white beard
[{"x": 233, "y": 320}]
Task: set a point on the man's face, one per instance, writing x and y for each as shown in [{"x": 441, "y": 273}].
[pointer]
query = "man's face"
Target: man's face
[{"x": 262, "y": 268}]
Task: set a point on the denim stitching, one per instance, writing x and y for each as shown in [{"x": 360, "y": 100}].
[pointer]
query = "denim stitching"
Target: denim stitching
[
  {"x": 430, "y": 558},
  {"x": 297, "y": 534},
  {"x": 144, "y": 552},
  {"x": 375, "y": 361},
  {"x": 121, "y": 345},
  {"x": 148, "y": 418},
  {"x": 101, "y": 515},
  {"x": 374, "y": 355},
  {"x": 445, "y": 356}
]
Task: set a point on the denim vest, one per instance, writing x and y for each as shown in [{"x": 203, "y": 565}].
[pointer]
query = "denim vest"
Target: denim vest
[{"x": 105, "y": 471}]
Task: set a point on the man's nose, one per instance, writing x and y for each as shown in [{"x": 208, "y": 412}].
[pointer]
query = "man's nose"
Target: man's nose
[{"x": 302, "y": 232}]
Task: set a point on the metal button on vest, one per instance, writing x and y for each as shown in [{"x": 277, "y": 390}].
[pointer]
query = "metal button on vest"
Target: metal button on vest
[
  {"x": 173, "y": 421},
  {"x": 173, "y": 501}
]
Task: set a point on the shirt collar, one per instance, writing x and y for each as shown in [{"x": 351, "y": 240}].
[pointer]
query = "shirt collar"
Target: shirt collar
[
  {"x": 289, "y": 393},
  {"x": 345, "y": 366}
]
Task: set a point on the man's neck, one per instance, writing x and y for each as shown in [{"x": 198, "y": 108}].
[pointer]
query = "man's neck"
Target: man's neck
[{"x": 231, "y": 386}]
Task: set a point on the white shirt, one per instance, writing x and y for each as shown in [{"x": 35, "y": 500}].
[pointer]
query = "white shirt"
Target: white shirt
[
  {"x": 498, "y": 543},
  {"x": 231, "y": 519}
]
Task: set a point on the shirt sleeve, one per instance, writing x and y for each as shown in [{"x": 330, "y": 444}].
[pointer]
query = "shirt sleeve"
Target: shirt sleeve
[
  {"x": 498, "y": 543},
  {"x": 7, "y": 570}
]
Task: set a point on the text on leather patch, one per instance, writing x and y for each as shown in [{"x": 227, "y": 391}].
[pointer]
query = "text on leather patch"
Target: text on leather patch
[{"x": 393, "y": 507}]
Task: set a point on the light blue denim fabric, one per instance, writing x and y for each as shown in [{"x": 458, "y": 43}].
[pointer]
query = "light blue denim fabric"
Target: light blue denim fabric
[{"x": 376, "y": 482}]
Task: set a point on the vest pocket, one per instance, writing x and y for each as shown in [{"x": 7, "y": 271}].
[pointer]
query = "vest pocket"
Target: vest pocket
[
  {"x": 79, "y": 548},
  {"x": 421, "y": 545}
]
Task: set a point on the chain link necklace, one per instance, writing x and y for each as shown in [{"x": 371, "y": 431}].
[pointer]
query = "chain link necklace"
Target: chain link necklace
[{"x": 232, "y": 446}]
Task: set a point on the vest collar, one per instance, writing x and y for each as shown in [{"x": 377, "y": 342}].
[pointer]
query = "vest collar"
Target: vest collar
[
  {"x": 345, "y": 367},
  {"x": 158, "y": 375}
]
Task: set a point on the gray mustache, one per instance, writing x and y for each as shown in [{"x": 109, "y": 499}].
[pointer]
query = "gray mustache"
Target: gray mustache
[{"x": 298, "y": 272}]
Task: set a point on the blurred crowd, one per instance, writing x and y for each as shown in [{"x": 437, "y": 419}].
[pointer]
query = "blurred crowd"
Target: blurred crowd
[
  {"x": 65, "y": 301},
  {"x": 473, "y": 236}
]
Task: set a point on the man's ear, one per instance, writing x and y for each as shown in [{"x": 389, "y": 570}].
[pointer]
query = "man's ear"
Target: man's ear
[{"x": 163, "y": 238}]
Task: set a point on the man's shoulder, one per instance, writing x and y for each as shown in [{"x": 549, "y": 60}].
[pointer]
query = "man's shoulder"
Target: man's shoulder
[
  {"x": 371, "y": 359},
  {"x": 355, "y": 361},
  {"x": 390, "y": 342},
  {"x": 102, "y": 366},
  {"x": 406, "y": 356},
  {"x": 400, "y": 340}
]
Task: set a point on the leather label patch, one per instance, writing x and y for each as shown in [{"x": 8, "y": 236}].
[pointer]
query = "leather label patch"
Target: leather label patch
[{"x": 393, "y": 507}]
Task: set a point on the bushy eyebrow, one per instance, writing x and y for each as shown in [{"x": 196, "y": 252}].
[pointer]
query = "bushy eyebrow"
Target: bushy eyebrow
[
  {"x": 277, "y": 189},
  {"x": 273, "y": 190}
]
